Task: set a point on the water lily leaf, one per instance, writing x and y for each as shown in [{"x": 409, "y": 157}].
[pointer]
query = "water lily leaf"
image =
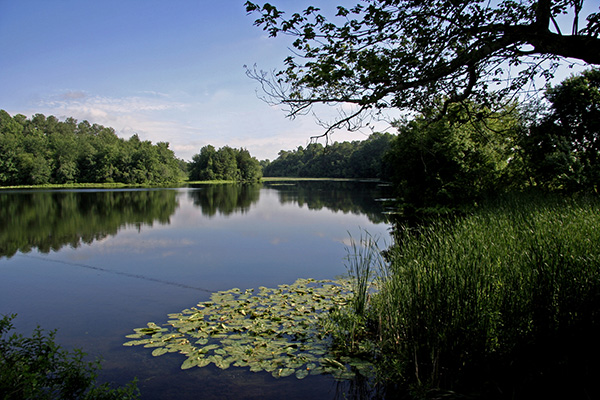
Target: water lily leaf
[
  {"x": 280, "y": 331},
  {"x": 136, "y": 336},
  {"x": 302, "y": 373},
  {"x": 344, "y": 375},
  {"x": 154, "y": 344},
  {"x": 137, "y": 342},
  {"x": 190, "y": 362},
  {"x": 282, "y": 372},
  {"x": 208, "y": 348},
  {"x": 159, "y": 351},
  {"x": 330, "y": 362},
  {"x": 223, "y": 363},
  {"x": 221, "y": 352},
  {"x": 132, "y": 343}
]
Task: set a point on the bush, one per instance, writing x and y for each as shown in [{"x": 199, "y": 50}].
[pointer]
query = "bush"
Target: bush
[{"x": 37, "y": 368}]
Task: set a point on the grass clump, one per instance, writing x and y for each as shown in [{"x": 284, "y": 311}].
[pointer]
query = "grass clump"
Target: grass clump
[{"x": 502, "y": 301}]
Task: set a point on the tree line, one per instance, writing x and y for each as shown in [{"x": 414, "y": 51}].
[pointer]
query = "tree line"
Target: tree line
[
  {"x": 44, "y": 150},
  {"x": 469, "y": 153},
  {"x": 357, "y": 159}
]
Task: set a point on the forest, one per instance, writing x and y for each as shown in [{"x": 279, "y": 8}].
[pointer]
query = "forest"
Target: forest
[{"x": 43, "y": 150}]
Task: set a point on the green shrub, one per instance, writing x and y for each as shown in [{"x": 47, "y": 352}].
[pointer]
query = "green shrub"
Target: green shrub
[{"x": 37, "y": 368}]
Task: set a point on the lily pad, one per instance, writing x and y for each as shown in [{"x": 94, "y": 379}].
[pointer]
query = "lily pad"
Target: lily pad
[
  {"x": 281, "y": 331},
  {"x": 159, "y": 351}
]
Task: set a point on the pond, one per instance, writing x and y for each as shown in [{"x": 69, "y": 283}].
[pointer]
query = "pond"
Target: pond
[{"x": 95, "y": 264}]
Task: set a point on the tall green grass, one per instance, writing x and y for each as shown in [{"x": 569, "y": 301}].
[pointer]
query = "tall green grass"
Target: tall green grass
[{"x": 503, "y": 295}]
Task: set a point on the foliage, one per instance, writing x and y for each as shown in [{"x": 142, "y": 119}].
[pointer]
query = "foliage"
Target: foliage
[
  {"x": 504, "y": 300},
  {"x": 45, "y": 150},
  {"x": 563, "y": 149},
  {"x": 226, "y": 164},
  {"x": 358, "y": 159},
  {"x": 405, "y": 54},
  {"x": 455, "y": 160},
  {"x": 37, "y": 368},
  {"x": 280, "y": 331}
]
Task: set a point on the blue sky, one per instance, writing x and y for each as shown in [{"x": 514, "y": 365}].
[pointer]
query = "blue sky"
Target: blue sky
[{"x": 167, "y": 70}]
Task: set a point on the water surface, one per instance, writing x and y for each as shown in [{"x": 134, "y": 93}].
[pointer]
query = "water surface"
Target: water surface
[{"x": 95, "y": 264}]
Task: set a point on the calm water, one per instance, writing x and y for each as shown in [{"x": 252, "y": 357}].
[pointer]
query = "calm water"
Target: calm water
[{"x": 95, "y": 264}]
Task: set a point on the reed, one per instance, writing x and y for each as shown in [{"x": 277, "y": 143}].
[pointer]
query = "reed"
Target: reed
[{"x": 515, "y": 283}]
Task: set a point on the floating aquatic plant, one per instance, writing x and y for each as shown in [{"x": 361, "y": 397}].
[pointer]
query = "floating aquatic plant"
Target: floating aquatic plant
[{"x": 281, "y": 330}]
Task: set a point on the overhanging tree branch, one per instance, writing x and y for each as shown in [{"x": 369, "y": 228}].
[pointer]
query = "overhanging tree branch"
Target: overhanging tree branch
[{"x": 406, "y": 54}]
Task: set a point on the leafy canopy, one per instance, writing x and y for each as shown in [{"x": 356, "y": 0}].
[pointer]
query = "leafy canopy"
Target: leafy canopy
[
  {"x": 563, "y": 149},
  {"x": 403, "y": 54}
]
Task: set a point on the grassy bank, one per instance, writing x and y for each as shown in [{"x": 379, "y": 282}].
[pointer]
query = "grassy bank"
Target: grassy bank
[
  {"x": 505, "y": 302},
  {"x": 111, "y": 185},
  {"x": 174, "y": 184}
]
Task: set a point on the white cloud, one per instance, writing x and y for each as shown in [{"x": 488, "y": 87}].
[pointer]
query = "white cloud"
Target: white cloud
[{"x": 218, "y": 117}]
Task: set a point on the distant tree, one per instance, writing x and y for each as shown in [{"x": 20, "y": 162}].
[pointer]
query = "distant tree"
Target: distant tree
[
  {"x": 406, "y": 54},
  {"x": 357, "y": 159},
  {"x": 366, "y": 160},
  {"x": 10, "y": 133},
  {"x": 224, "y": 164},
  {"x": 249, "y": 167},
  {"x": 201, "y": 167}
]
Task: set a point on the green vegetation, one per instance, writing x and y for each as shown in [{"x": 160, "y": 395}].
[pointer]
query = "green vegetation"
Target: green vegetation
[
  {"x": 44, "y": 151},
  {"x": 473, "y": 153},
  {"x": 282, "y": 331},
  {"x": 504, "y": 300},
  {"x": 500, "y": 300},
  {"x": 225, "y": 164},
  {"x": 469, "y": 154},
  {"x": 562, "y": 148},
  {"x": 358, "y": 159},
  {"x": 37, "y": 368}
]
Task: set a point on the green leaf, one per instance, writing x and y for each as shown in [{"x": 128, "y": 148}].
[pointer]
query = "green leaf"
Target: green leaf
[
  {"x": 190, "y": 362},
  {"x": 302, "y": 373},
  {"x": 159, "y": 351}
]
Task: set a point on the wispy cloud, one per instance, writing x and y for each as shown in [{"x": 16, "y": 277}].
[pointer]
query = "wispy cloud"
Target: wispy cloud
[
  {"x": 72, "y": 95},
  {"x": 81, "y": 103},
  {"x": 189, "y": 122}
]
